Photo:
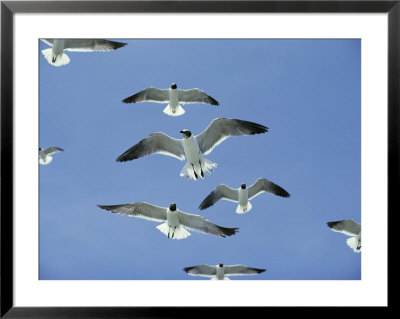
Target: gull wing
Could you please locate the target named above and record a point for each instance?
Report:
(149, 95)
(201, 270)
(51, 149)
(195, 96)
(348, 227)
(221, 192)
(220, 129)
(48, 41)
(155, 143)
(264, 185)
(238, 270)
(139, 209)
(91, 45)
(201, 224)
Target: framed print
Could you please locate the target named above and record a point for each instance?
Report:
(284, 119)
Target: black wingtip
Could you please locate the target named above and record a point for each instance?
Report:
(259, 129)
(204, 204)
(258, 270)
(213, 101)
(116, 44)
(252, 127)
(207, 202)
(187, 269)
(331, 224)
(130, 99)
(108, 208)
(283, 193)
(124, 158)
(227, 231)
(128, 155)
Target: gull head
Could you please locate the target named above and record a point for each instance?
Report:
(243, 186)
(172, 207)
(220, 265)
(186, 133)
(40, 149)
(173, 86)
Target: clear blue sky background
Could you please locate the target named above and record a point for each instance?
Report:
(306, 91)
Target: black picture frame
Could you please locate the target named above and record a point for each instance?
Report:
(9, 8)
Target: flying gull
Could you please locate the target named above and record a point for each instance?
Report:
(222, 272)
(242, 195)
(173, 96)
(56, 56)
(193, 147)
(175, 221)
(45, 154)
(350, 228)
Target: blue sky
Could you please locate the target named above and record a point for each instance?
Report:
(307, 92)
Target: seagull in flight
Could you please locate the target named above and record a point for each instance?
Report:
(222, 272)
(351, 228)
(242, 195)
(56, 56)
(45, 154)
(174, 221)
(193, 147)
(173, 96)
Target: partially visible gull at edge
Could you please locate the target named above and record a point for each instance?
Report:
(56, 56)
(45, 154)
(351, 228)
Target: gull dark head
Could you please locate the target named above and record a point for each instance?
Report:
(243, 186)
(186, 133)
(174, 86)
(172, 207)
(40, 149)
(220, 265)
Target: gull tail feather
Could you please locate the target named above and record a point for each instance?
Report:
(194, 171)
(58, 60)
(241, 209)
(215, 278)
(208, 166)
(354, 243)
(179, 233)
(169, 110)
(46, 160)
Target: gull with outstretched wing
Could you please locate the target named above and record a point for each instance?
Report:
(243, 195)
(174, 221)
(192, 147)
(173, 96)
(222, 272)
(56, 56)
